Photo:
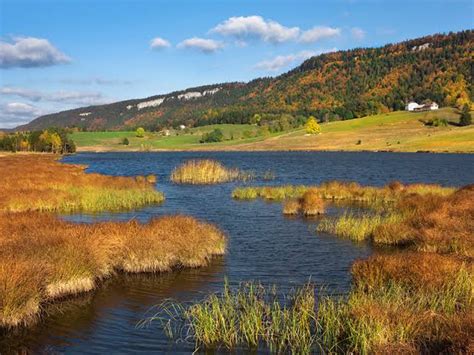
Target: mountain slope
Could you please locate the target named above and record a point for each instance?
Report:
(339, 85)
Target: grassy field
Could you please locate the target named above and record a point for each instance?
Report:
(188, 140)
(397, 131)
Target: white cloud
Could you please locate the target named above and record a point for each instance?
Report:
(28, 52)
(283, 61)
(256, 26)
(201, 44)
(358, 33)
(67, 97)
(318, 33)
(13, 114)
(159, 43)
(19, 108)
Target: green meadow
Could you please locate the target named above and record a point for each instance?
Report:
(399, 131)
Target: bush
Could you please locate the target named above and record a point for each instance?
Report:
(212, 137)
(125, 141)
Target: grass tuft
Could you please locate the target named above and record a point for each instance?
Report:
(206, 171)
(311, 203)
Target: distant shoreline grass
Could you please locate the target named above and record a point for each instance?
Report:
(44, 258)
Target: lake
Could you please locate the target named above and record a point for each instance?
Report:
(263, 244)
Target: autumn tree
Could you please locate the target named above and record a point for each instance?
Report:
(140, 133)
(312, 126)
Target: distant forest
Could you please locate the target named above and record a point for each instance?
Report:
(334, 86)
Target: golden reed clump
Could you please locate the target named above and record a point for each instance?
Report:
(43, 258)
(311, 203)
(291, 207)
(205, 171)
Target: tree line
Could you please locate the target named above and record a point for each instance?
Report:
(51, 140)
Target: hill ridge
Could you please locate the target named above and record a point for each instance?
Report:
(337, 85)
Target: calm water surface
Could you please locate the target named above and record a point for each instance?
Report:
(263, 244)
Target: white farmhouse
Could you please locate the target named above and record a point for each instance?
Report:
(434, 106)
(413, 106)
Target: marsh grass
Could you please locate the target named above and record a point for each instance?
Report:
(403, 302)
(40, 183)
(430, 223)
(430, 312)
(342, 191)
(206, 171)
(44, 258)
(356, 227)
(250, 316)
(311, 203)
(417, 300)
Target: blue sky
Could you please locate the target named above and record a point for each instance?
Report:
(56, 55)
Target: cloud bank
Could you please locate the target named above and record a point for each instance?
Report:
(13, 114)
(68, 97)
(30, 52)
(256, 26)
(242, 27)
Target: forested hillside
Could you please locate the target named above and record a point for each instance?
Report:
(333, 86)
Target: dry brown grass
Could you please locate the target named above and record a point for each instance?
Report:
(311, 203)
(428, 271)
(417, 300)
(205, 171)
(443, 224)
(43, 258)
(37, 182)
(291, 207)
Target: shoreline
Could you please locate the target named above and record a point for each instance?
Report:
(104, 149)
